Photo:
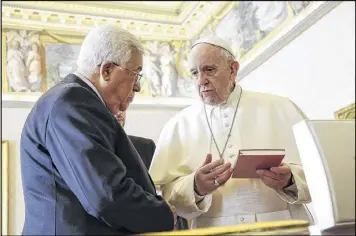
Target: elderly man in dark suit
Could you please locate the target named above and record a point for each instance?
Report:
(80, 172)
(146, 148)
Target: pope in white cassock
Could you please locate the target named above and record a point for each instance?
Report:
(197, 148)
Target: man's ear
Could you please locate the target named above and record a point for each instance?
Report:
(105, 70)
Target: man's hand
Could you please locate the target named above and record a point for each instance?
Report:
(173, 209)
(120, 118)
(277, 177)
(211, 175)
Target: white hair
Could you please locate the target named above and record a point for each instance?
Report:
(106, 43)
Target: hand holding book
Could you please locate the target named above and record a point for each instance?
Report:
(265, 164)
(277, 177)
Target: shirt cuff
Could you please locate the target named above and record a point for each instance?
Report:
(198, 198)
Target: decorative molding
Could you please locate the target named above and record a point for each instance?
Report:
(153, 22)
(77, 18)
(346, 113)
(4, 187)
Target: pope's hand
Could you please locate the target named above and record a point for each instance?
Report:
(277, 177)
(211, 175)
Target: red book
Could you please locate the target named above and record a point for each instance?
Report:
(251, 160)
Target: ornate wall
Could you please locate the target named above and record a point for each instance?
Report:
(35, 61)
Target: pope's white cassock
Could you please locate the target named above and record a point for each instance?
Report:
(262, 121)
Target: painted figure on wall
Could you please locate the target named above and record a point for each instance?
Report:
(16, 70)
(269, 15)
(253, 21)
(33, 62)
(298, 6)
(60, 61)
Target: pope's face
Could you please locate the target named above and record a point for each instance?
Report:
(214, 74)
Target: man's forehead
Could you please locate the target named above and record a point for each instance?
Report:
(135, 62)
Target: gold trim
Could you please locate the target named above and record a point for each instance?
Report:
(87, 9)
(78, 19)
(346, 113)
(138, 6)
(268, 228)
(4, 187)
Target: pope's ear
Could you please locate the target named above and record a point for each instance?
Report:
(234, 68)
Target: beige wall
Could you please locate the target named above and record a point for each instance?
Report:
(316, 70)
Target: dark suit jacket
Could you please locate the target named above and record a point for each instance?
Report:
(146, 148)
(80, 172)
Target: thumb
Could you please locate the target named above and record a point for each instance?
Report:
(208, 159)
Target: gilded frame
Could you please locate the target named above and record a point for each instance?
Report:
(4, 187)
(346, 113)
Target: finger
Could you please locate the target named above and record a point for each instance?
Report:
(270, 182)
(218, 171)
(207, 160)
(207, 168)
(284, 169)
(224, 177)
(264, 173)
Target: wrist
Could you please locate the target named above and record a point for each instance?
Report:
(196, 189)
(290, 182)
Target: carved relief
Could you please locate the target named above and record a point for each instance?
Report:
(23, 61)
(347, 113)
(185, 83)
(16, 70)
(169, 71)
(151, 69)
(160, 68)
(33, 62)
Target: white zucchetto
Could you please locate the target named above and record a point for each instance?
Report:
(216, 41)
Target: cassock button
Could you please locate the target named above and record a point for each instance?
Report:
(226, 125)
(225, 115)
(230, 145)
(232, 156)
(242, 219)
